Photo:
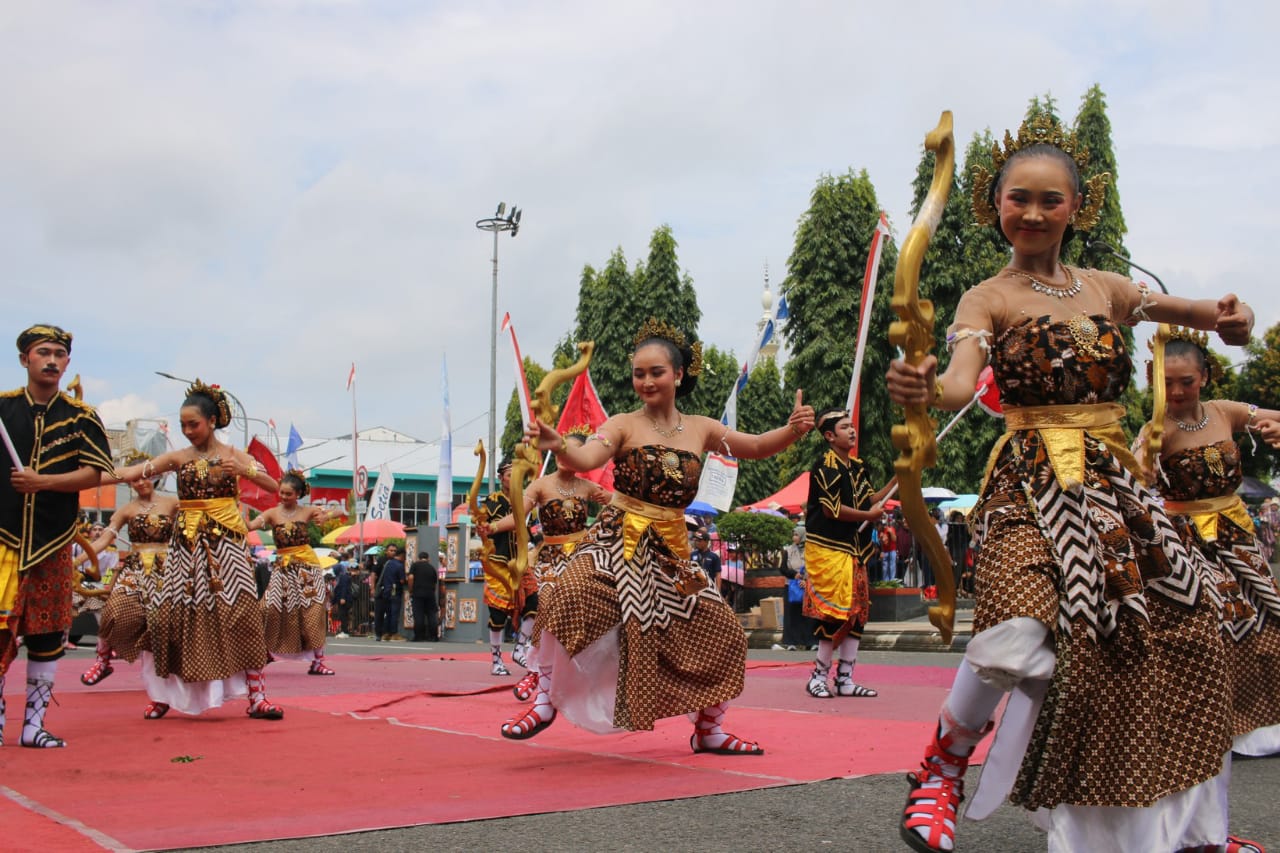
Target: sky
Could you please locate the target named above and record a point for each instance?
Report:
(260, 194)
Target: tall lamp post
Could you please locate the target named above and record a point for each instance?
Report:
(244, 417)
(499, 222)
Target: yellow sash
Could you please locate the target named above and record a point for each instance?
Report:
(1062, 430)
(147, 553)
(1204, 513)
(638, 516)
(225, 511)
(297, 554)
(9, 563)
(567, 541)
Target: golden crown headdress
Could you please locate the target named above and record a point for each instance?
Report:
(582, 431)
(1200, 340)
(219, 398)
(1042, 129)
(655, 328)
(134, 456)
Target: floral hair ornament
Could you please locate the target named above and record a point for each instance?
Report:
(43, 332)
(1042, 129)
(1199, 340)
(219, 398)
(655, 328)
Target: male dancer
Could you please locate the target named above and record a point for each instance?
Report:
(836, 553)
(500, 591)
(57, 447)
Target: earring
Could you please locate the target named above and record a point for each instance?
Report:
(1071, 220)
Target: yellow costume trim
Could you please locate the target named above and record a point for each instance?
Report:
(9, 563)
(1204, 514)
(568, 540)
(639, 516)
(297, 554)
(225, 511)
(1062, 428)
(830, 580)
(147, 553)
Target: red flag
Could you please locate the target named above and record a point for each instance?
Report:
(583, 408)
(989, 394)
(251, 494)
(351, 377)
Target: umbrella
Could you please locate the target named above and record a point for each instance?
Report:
(259, 537)
(324, 552)
(701, 508)
(373, 530)
(764, 510)
(960, 502)
(936, 493)
(331, 538)
(326, 562)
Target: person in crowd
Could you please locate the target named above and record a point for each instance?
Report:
(424, 579)
(1198, 473)
(294, 610)
(957, 539)
(147, 520)
(836, 549)
(561, 500)
(1088, 606)
(906, 568)
(206, 635)
(504, 593)
(342, 596)
(390, 595)
(705, 556)
(632, 631)
(57, 448)
(797, 629)
(888, 548)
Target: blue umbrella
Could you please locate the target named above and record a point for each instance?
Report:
(701, 508)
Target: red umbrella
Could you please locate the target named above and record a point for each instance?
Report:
(373, 530)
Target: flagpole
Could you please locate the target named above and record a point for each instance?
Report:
(355, 466)
(854, 404)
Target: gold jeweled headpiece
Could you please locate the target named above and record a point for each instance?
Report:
(655, 328)
(582, 431)
(1040, 130)
(1200, 340)
(219, 398)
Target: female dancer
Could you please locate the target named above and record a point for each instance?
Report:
(148, 518)
(293, 608)
(1199, 474)
(1087, 606)
(205, 626)
(631, 629)
(561, 500)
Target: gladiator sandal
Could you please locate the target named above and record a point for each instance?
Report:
(498, 667)
(100, 670)
(937, 789)
(39, 693)
(708, 736)
(526, 687)
(845, 685)
(259, 708)
(154, 710)
(520, 654)
(817, 686)
(540, 715)
(318, 666)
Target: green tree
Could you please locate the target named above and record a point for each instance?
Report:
(603, 298)
(662, 290)
(762, 406)
(1259, 383)
(1045, 105)
(823, 289)
(755, 534)
(719, 371)
(1093, 129)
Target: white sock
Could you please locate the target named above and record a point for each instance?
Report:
(824, 654)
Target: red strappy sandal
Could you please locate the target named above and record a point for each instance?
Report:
(264, 710)
(935, 797)
(100, 670)
(707, 728)
(154, 710)
(526, 687)
(529, 724)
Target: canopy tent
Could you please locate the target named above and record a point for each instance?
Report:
(790, 498)
(1253, 489)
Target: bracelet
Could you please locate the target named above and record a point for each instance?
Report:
(148, 470)
(938, 391)
(252, 470)
(795, 429)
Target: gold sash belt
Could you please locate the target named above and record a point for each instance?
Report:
(1204, 513)
(225, 511)
(1062, 430)
(147, 553)
(639, 516)
(566, 539)
(297, 554)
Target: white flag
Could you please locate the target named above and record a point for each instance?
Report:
(380, 503)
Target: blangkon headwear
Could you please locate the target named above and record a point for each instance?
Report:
(43, 332)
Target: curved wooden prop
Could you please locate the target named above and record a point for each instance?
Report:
(76, 390)
(479, 514)
(913, 332)
(1159, 404)
(527, 461)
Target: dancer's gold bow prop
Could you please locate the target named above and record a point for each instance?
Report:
(913, 333)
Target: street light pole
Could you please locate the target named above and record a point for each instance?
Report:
(499, 222)
(244, 415)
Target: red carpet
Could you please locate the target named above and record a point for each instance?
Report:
(428, 724)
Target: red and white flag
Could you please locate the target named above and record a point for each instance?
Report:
(522, 384)
(351, 377)
(864, 321)
(583, 408)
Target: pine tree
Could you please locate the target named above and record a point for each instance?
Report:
(606, 299)
(823, 289)
(1093, 129)
(762, 406)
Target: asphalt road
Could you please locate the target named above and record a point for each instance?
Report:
(840, 814)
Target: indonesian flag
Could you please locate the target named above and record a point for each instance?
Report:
(522, 384)
(864, 323)
(250, 492)
(583, 408)
(351, 377)
(988, 393)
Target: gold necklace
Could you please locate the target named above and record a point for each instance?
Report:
(667, 433)
(1074, 285)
